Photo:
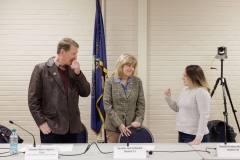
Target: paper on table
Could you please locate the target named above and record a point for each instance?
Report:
(148, 148)
(61, 147)
(24, 148)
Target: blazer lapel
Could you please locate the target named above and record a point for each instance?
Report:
(120, 89)
(129, 88)
(54, 72)
(71, 79)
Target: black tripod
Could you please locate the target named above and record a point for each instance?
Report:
(225, 87)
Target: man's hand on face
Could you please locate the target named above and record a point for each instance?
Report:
(76, 67)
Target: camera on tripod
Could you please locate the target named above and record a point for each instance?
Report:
(222, 53)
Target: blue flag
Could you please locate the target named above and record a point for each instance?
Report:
(99, 73)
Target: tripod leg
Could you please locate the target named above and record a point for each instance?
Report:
(215, 86)
(225, 108)
(233, 110)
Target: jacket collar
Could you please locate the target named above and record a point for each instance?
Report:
(50, 62)
(120, 88)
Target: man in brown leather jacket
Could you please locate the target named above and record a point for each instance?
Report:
(53, 95)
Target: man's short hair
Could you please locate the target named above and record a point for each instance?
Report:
(65, 44)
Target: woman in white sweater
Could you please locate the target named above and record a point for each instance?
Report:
(193, 106)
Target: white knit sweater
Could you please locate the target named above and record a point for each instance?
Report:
(193, 107)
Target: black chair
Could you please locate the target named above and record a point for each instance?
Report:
(217, 132)
(139, 135)
(83, 136)
(5, 134)
(3, 138)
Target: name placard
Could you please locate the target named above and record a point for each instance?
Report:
(130, 152)
(228, 150)
(41, 153)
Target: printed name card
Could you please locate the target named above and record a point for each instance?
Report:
(41, 153)
(130, 152)
(228, 150)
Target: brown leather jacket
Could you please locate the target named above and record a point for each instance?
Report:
(48, 101)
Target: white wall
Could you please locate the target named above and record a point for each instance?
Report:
(29, 34)
(187, 32)
(180, 32)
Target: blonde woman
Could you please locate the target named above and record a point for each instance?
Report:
(123, 99)
(193, 107)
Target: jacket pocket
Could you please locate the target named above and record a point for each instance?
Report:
(51, 114)
(51, 117)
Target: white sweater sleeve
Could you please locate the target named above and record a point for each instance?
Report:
(203, 104)
(172, 104)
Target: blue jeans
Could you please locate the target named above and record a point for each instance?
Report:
(185, 138)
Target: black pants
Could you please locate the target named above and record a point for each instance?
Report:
(58, 138)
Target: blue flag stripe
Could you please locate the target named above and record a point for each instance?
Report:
(99, 73)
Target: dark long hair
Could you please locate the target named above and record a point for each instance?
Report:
(196, 74)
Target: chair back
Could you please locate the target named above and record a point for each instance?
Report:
(83, 136)
(139, 135)
(6, 133)
(2, 139)
(217, 131)
(220, 129)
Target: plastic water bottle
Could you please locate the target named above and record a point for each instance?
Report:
(13, 142)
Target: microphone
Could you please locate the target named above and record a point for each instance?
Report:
(34, 144)
(126, 127)
(3, 136)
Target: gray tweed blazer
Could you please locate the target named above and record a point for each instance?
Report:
(119, 106)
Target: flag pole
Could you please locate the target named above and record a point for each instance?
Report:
(101, 137)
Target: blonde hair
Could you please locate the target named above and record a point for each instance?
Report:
(196, 75)
(121, 61)
(65, 44)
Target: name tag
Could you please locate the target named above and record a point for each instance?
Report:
(41, 153)
(228, 150)
(130, 152)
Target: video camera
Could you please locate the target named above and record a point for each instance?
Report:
(222, 53)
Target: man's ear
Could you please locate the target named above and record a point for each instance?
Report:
(61, 51)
